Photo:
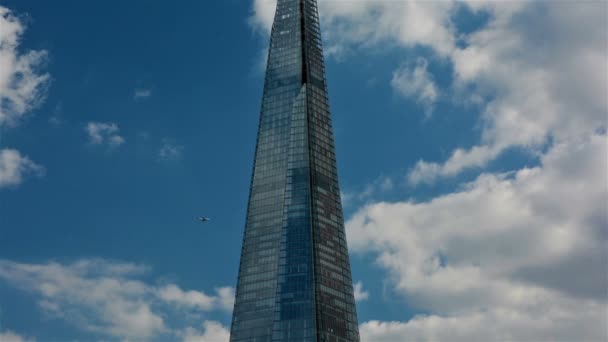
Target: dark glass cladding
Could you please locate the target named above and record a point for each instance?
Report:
(294, 279)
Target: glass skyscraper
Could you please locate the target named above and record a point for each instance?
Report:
(294, 280)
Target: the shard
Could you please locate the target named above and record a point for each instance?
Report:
(294, 281)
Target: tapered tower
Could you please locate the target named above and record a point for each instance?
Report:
(294, 280)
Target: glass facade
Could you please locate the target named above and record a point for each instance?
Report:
(294, 280)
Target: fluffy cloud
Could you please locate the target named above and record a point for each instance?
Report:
(173, 294)
(198, 300)
(510, 257)
(263, 15)
(212, 332)
(225, 298)
(14, 167)
(537, 79)
(537, 69)
(490, 325)
(22, 86)
(104, 133)
(360, 293)
(478, 156)
(515, 256)
(9, 336)
(416, 82)
(350, 23)
(108, 298)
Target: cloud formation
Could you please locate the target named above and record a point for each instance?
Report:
(360, 293)
(416, 82)
(461, 159)
(535, 79)
(22, 88)
(22, 84)
(224, 299)
(515, 256)
(104, 133)
(110, 299)
(14, 168)
(212, 332)
(504, 249)
(9, 336)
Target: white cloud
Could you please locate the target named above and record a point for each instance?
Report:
(351, 23)
(9, 336)
(198, 300)
(263, 15)
(360, 293)
(478, 156)
(518, 256)
(538, 69)
(225, 298)
(22, 85)
(170, 151)
(142, 93)
(509, 257)
(416, 82)
(173, 294)
(104, 133)
(14, 167)
(490, 325)
(107, 297)
(539, 78)
(212, 332)
(22, 88)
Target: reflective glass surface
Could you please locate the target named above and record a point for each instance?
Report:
(294, 280)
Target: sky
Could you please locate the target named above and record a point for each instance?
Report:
(471, 147)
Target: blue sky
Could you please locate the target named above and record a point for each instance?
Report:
(471, 150)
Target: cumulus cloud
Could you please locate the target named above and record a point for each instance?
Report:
(491, 325)
(538, 79)
(212, 332)
(225, 298)
(263, 15)
(14, 168)
(350, 23)
(416, 82)
(109, 298)
(9, 336)
(509, 257)
(22, 88)
(173, 294)
(428, 172)
(537, 69)
(104, 133)
(360, 293)
(194, 299)
(515, 256)
(22, 84)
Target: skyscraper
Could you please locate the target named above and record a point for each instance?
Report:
(294, 279)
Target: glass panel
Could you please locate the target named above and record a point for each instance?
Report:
(294, 280)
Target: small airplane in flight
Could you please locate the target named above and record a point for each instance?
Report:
(204, 219)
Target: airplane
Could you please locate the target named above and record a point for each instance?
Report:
(204, 219)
